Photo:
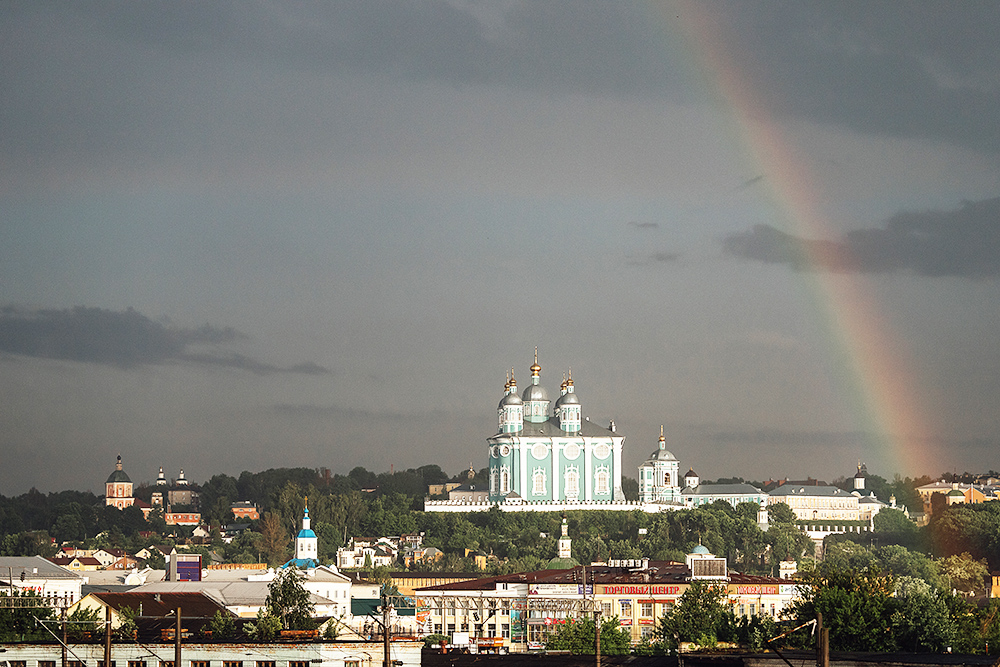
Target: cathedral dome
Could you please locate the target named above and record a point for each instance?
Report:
(568, 399)
(118, 476)
(534, 392)
(662, 455)
(510, 399)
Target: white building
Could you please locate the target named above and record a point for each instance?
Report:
(37, 574)
(659, 480)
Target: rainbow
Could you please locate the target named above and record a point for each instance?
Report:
(878, 385)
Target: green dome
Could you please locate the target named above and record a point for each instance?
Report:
(118, 476)
(562, 564)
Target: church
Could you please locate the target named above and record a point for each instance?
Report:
(547, 456)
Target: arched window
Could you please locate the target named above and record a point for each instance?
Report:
(504, 479)
(601, 480)
(572, 483)
(493, 481)
(538, 482)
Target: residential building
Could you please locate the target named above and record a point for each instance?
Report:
(244, 509)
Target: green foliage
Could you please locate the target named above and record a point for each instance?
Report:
(701, 615)
(127, 628)
(579, 637)
(288, 601)
(855, 603)
(23, 624)
(83, 621)
(920, 620)
(265, 628)
(332, 630)
(964, 573)
(433, 641)
(222, 625)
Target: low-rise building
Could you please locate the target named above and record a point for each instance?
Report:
(37, 574)
(522, 608)
(244, 509)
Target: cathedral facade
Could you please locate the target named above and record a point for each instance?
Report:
(545, 453)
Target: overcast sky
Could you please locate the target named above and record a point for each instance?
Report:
(243, 235)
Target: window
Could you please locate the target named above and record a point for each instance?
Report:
(349, 662)
(647, 631)
(437, 628)
(626, 606)
(606, 608)
(232, 663)
(572, 483)
(47, 663)
(538, 482)
(74, 663)
(753, 610)
(646, 609)
(131, 663)
(100, 663)
(166, 663)
(298, 663)
(201, 663)
(601, 480)
(265, 663)
(504, 479)
(493, 481)
(505, 630)
(451, 628)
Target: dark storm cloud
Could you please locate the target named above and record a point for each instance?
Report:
(962, 243)
(142, 82)
(125, 339)
(927, 70)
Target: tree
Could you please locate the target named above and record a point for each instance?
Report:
(18, 624)
(700, 616)
(965, 573)
(274, 540)
(265, 628)
(222, 625)
(288, 600)
(921, 622)
(781, 513)
(856, 607)
(578, 636)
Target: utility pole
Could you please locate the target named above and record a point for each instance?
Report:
(64, 637)
(177, 641)
(822, 643)
(386, 657)
(107, 636)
